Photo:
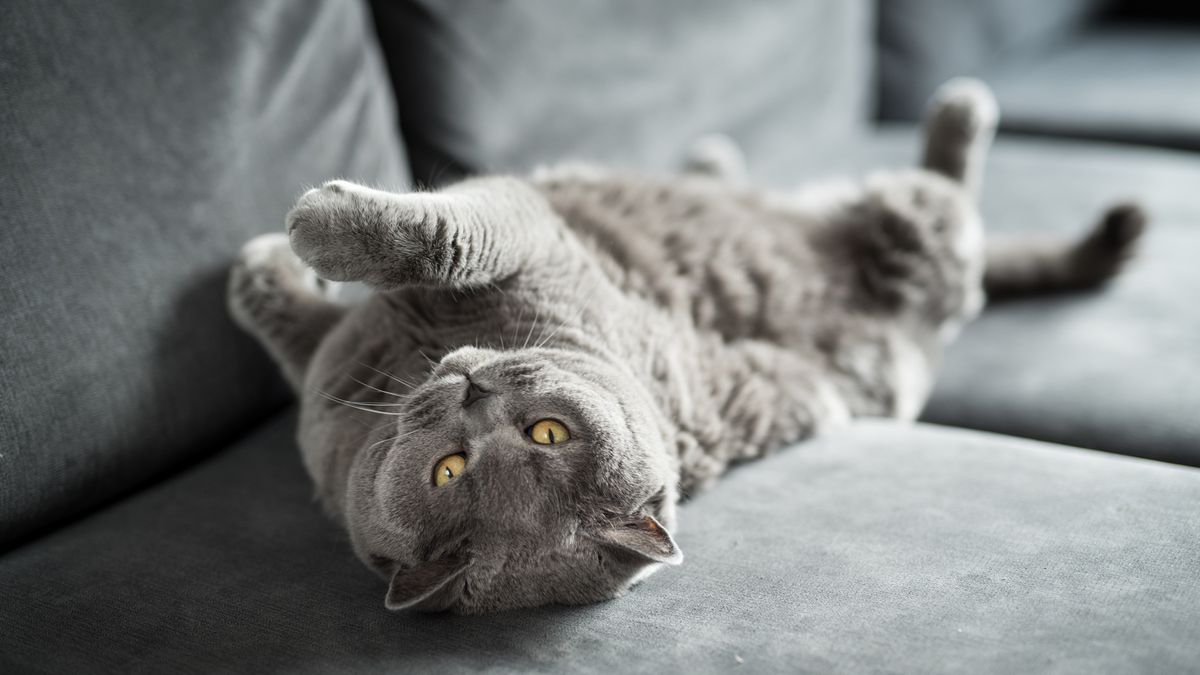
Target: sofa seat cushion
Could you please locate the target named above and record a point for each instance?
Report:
(1116, 369)
(882, 547)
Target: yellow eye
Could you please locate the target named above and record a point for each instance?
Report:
(448, 468)
(548, 432)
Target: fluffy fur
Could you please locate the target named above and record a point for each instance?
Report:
(674, 325)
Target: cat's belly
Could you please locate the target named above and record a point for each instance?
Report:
(749, 266)
(748, 271)
(700, 248)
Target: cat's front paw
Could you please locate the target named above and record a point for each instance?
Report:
(340, 229)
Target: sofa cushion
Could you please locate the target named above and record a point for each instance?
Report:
(506, 86)
(923, 43)
(1133, 83)
(1116, 369)
(882, 547)
(141, 144)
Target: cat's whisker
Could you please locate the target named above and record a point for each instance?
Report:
(356, 405)
(373, 404)
(376, 429)
(562, 325)
(382, 391)
(517, 326)
(533, 325)
(541, 334)
(402, 381)
(392, 439)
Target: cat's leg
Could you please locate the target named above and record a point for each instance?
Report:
(959, 127)
(766, 396)
(1022, 265)
(751, 399)
(275, 298)
(473, 233)
(716, 155)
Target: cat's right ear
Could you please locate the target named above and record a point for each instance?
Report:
(642, 535)
(412, 585)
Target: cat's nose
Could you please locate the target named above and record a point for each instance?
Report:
(474, 393)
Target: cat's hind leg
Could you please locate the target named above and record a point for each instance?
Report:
(959, 128)
(717, 156)
(275, 298)
(1024, 265)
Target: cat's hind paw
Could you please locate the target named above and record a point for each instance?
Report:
(718, 156)
(264, 278)
(1109, 245)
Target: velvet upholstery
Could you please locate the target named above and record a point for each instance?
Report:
(142, 144)
(881, 548)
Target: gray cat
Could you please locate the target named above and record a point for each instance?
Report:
(547, 365)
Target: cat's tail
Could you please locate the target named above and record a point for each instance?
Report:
(1025, 265)
(959, 127)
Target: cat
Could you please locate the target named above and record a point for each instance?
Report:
(547, 365)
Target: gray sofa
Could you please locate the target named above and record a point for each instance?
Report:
(154, 516)
(1112, 70)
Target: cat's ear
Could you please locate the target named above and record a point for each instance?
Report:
(411, 585)
(643, 535)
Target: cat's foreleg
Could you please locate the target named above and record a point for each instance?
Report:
(275, 298)
(471, 234)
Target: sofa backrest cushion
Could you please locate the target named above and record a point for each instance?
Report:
(141, 144)
(487, 86)
(922, 43)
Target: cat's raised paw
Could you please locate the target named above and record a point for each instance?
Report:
(339, 228)
(319, 206)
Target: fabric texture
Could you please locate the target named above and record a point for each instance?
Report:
(142, 144)
(922, 43)
(1114, 369)
(882, 548)
(487, 87)
(1131, 83)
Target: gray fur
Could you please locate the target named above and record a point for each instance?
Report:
(676, 326)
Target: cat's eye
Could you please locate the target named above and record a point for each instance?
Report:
(448, 468)
(548, 432)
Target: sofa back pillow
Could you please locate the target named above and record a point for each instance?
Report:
(923, 43)
(141, 144)
(485, 86)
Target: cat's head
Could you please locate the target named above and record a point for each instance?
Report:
(516, 478)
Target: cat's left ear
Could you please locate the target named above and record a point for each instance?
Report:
(412, 585)
(643, 535)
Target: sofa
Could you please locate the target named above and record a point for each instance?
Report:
(1044, 516)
